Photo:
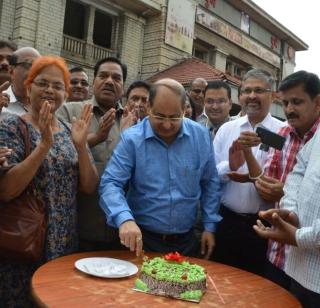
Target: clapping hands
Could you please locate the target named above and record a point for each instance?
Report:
(80, 127)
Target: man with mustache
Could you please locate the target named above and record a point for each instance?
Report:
(137, 99)
(196, 92)
(104, 132)
(21, 62)
(79, 85)
(217, 105)
(300, 97)
(237, 243)
(6, 51)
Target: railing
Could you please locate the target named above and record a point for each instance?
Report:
(81, 48)
(100, 52)
(73, 45)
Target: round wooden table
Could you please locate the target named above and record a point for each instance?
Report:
(59, 284)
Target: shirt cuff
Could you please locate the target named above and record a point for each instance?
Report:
(122, 217)
(210, 227)
(305, 238)
(223, 169)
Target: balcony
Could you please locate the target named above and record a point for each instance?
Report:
(76, 49)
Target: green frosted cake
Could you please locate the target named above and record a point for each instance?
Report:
(172, 276)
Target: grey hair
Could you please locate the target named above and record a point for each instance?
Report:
(260, 74)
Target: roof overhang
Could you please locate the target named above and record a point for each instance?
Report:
(268, 22)
(140, 7)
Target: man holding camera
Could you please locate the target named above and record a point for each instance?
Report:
(300, 97)
(236, 242)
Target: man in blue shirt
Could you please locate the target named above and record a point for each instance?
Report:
(169, 164)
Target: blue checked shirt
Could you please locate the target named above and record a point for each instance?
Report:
(166, 182)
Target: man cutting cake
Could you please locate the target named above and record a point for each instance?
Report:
(167, 164)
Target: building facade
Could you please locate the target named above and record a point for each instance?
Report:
(152, 35)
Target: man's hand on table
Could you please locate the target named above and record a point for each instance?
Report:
(208, 243)
(130, 236)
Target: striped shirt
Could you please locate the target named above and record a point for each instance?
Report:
(302, 197)
(278, 166)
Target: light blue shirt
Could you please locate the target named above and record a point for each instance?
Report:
(302, 197)
(166, 182)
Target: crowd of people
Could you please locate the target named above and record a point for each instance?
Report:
(168, 170)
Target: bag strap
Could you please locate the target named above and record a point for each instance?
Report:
(27, 144)
(26, 138)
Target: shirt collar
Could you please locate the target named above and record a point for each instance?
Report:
(119, 107)
(9, 91)
(309, 133)
(244, 120)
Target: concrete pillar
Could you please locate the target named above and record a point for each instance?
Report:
(89, 32)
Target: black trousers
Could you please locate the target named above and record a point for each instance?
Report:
(186, 244)
(237, 244)
(307, 298)
(277, 275)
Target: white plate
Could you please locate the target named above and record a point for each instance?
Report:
(106, 267)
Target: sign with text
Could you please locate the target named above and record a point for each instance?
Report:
(180, 24)
(218, 26)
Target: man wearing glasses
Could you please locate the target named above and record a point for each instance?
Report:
(237, 243)
(79, 85)
(197, 90)
(168, 164)
(217, 105)
(21, 62)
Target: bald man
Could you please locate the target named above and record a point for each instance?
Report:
(196, 92)
(168, 163)
(20, 62)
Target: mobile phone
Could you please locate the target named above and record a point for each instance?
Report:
(270, 139)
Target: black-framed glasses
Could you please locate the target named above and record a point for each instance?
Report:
(75, 82)
(44, 85)
(25, 65)
(212, 101)
(258, 91)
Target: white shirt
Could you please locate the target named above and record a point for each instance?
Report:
(302, 197)
(240, 197)
(14, 107)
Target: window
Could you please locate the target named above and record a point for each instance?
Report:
(200, 54)
(229, 68)
(74, 19)
(102, 31)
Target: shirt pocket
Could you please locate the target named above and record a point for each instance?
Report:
(188, 179)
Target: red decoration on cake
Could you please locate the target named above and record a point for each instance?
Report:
(174, 256)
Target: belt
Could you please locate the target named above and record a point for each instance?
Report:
(166, 237)
(224, 211)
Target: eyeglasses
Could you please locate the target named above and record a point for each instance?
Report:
(219, 101)
(163, 119)
(258, 91)
(198, 91)
(44, 85)
(25, 65)
(136, 98)
(83, 83)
